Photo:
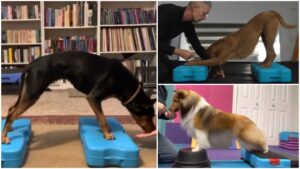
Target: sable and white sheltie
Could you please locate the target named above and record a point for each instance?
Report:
(212, 127)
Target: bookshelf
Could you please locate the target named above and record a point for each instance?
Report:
(127, 13)
(21, 38)
(59, 21)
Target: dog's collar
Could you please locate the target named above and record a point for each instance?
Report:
(133, 96)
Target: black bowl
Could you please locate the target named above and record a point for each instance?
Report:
(188, 159)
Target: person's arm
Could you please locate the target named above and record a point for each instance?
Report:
(191, 35)
(165, 47)
(163, 26)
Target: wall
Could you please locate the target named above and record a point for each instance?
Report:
(241, 12)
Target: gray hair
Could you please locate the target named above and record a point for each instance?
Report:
(208, 3)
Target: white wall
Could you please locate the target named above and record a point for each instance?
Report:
(242, 12)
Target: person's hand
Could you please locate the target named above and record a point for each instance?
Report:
(143, 135)
(161, 107)
(183, 53)
(171, 115)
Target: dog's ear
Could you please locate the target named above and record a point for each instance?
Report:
(181, 94)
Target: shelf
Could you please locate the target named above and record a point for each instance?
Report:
(128, 25)
(14, 64)
(88, 52)
(20, 20)
(76, 27)
(20, 44)
(118, 52)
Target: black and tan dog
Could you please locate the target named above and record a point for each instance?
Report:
(97, 77)
(241, 44)
(214, 128)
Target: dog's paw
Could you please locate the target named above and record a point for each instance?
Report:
(5, 140)
(10, 129)
(219, 75)
(109, 136)
(266, 149)
(196, 149)
(265, 65)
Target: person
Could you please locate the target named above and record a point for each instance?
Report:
(167, 151)
(172, 21)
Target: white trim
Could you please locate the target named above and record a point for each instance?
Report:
(234, 98)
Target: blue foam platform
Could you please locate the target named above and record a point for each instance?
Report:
(275, 73)
(88, 124)
(285, 135)
(258, 162)
(21, 126)
(13, 154)
(99, 152)
(229, 164)
(11, 77)
(190, 73)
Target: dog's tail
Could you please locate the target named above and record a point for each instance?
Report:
(282, 22)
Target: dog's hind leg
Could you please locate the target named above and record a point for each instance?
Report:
(32, 87)
(254, 139)
(24, 103)
(268, 37)
(94, 98)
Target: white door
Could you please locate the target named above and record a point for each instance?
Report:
(268, 106)
(249, 102)
(278, 111)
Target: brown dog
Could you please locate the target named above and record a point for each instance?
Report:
(241, 44)
(214, 128)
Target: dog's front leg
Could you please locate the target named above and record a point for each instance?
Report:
(196, 148)
(216, 61)
(219, 72)
(202, 140)
(96, 106)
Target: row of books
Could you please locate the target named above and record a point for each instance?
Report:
(20, 12)
(132, 65)
(78, 14)
(128, 16)
(20, 55)
(128, 39)
(73, 43)
(21, 36)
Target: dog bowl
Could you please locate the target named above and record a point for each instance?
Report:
(188, 159)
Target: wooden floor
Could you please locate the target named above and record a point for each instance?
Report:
(56, 141)
(59, 146)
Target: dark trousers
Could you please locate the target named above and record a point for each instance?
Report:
(167, 151)
(165, 68)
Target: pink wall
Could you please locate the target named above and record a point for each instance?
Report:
(220, 96)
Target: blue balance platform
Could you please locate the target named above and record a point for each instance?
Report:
(13, 154)
(275, 73)
(265, 162)
(99, 152)
(190, 73)
(286, 135)
(11, 77)
(229, 164)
